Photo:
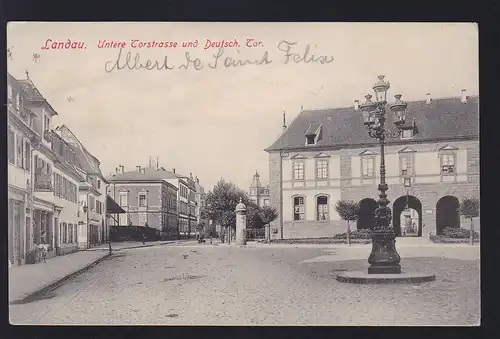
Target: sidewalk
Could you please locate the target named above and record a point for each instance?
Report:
(26, 280)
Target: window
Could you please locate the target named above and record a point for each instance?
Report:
(18, 101)
(143, 218)
(74, 233)
(142, 200)
(447, 163)
(406, 164)
(12, 146)
(27, 156)
(92, 203)
(98, 184)
(322, 208)
(70, 233)
(9, 92)
(65, 233)
(266, 202)
(123, 219)
(367, 167)
(310, 139)
(298, 208)
(20, 150)
(298, 170)
(407, 134)
(322, 169)
(123, 199)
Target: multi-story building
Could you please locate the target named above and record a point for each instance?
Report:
(49, 214)
(147, 198)
(92, 224)
(258, 192)
(326, 155)
(20, 140)
(188, 216)
(66, 180)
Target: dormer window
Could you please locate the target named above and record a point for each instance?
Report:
(313, 134)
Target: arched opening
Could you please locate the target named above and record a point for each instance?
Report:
(447, 214)
(407, 216)
(366, 215)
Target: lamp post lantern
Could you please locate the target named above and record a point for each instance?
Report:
(383, 259)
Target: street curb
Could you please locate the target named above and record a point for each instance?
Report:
(128, 248)
(53, 285)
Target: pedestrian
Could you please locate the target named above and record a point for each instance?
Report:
(144, 239)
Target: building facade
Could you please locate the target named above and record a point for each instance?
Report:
(21, 137)
(92, 224)
(43, 182)
(258, 192)
(147, 198)
(326, 155)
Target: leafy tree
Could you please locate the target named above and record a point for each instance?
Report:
(221, 203)
(469, 209)
(348, 210)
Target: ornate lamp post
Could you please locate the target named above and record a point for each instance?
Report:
(383, 258)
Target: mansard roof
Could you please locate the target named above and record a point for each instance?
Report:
(441, 119)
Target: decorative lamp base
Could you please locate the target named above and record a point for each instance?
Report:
(384, 259)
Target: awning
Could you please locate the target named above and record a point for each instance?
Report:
(112, 207)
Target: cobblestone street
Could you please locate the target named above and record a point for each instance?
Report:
(205, 284)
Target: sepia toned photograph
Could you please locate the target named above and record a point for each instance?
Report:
(220, 173)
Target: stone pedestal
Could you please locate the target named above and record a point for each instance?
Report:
(241, 223)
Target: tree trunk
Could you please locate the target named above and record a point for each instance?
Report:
(471, 232)
(348, 234)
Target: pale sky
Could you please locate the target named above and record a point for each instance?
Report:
(216, 122)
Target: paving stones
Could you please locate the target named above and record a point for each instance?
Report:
(228, 285)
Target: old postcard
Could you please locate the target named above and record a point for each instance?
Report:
(243, 173)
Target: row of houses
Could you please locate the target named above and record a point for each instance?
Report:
(166, 201)
(326, 155)
(56, 191)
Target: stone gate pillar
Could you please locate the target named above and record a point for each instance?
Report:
(241, 223)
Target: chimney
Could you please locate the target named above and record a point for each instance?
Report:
(117, 170)
(138, 169)
(191, 175)
(284, 121)
(122, 169)
(143, 170)
(356, 105)
(173, 170)
(464, 97)
(428, 100)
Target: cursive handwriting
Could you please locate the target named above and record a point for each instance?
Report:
(136, 63)
(292, 55)
(232, 62)
(307, 57)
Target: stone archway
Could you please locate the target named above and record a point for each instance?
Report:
(399, 206)
(447, 214)
(367, 208)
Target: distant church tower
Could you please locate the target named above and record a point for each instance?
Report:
(259, 193)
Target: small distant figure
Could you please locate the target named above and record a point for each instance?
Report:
(36, 57)
(9, 53)
(144, 239)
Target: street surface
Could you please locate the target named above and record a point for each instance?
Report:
(206, 284)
